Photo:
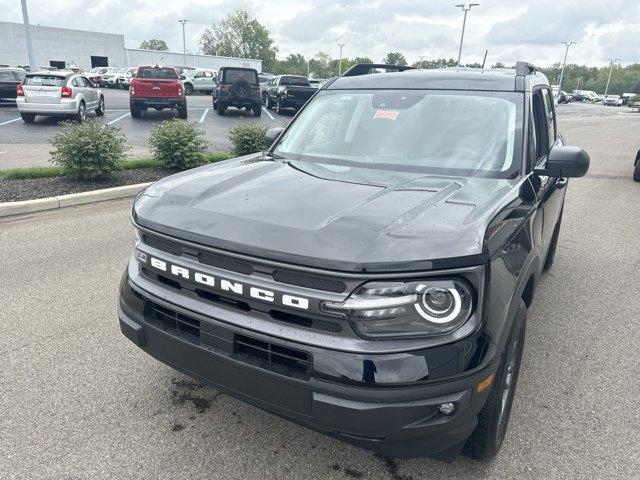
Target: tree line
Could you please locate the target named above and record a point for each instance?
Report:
(241, 35)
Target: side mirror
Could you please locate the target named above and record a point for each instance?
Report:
(272, 134)
(566, 161)
(183, 77)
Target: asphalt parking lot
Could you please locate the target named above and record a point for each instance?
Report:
(79, 401)
(23, 145)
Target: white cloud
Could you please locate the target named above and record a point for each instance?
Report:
(518, 29)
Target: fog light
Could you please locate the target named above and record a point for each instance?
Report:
(141, 256)
(447, 409)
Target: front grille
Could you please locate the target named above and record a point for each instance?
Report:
(258, 353)
(162, 244)
(309, 281)
(316, 282)
(275, 358)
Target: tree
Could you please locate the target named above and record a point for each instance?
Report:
(438, 63)
(394, 58)
(154, 44)
(295, 64)
(319, 65)
(240, 35)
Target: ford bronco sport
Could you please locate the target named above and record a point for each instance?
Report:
(368, 275)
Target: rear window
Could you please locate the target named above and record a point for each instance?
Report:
(159, 73)
(293, 80)
(45, 80)
(6, 75)
(232, 76)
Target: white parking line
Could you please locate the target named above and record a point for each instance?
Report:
(204, 114)
(267, 112)
(10, 121)
(119, 118)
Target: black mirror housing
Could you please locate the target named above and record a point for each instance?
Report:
(272, 134)
(565, 161)
(183, 77)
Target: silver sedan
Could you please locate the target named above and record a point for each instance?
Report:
(58, 93)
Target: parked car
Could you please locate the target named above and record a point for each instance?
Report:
(9, 80)
(200, 80)
(586, 96)
(58, 93)
(157, 87)
(289, 91)
(124, 79)
(264, 79)
(103, 79)
(368, 275)
(237, 87)
(564, 97)
(111, 78)
(612, 101)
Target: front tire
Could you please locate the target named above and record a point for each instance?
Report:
(221, 108)
(100, 109)
(551, 254)
(188, 89)
(493, 419)
(279, 107)
(257, 110)
(28, 117)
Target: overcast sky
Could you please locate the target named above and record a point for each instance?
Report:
(529, 30)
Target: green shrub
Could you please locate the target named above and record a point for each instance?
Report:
(248, 138)
(178, 144)
(88, 150)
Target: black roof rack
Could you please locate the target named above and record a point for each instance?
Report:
(365, 69)
(524, 68)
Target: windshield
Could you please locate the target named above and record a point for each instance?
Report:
(232, 76)
(440, 132)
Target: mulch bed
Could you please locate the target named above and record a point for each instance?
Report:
(32, 188)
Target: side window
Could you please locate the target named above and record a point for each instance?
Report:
(198, 75)
(86, 82)
(208, 74)
(76, 82)
(541, 126)
(551, 115)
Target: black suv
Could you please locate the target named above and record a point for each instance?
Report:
(10, 78)
(237, 87)
(369, 275)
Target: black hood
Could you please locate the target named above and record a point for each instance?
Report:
(327, 216)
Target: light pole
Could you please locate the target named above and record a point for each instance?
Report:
(564, 62)
(27, 34)
(612, 60)
(183, 21)
(341, 45)
(465, 8)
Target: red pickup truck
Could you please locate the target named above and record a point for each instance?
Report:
(157, 87)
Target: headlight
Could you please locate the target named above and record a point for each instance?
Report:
(394, 309)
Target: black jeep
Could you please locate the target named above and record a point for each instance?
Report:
(368, 275)
(237, 87)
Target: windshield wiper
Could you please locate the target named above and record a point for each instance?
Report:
(275, 156)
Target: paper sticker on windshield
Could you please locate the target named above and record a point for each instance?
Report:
(386, 114)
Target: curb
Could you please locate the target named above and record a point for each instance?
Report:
(9, 209)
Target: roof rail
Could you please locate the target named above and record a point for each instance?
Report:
(524, 68)
(365, 69)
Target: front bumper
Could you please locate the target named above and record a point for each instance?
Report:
(65, 107)
(396, 421)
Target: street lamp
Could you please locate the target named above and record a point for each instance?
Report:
(27, 34)
(184, 42)
(341, 45)
(612, 60)
(465, 8)
(564, 62)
